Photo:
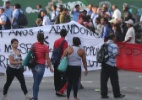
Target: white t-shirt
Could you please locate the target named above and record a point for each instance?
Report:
(46, 21)
(116, 14)
(141, 19)
(130, 33)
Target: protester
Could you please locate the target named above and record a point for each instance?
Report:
(46, 20)
(54, 13)
(39, 8)
(127, 13)
(109, 70)
(105, 30)
(94, 15)
(99, 27)
(60, 78)
(8, 10)
(15, 69)
(75, 12)
(42, 56)
(75, 55)
(3, 19)
(64, 16)
(116, 13)
(89, 12)
(130, 35)
(15, 14)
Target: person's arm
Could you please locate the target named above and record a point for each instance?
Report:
(84, 62)
(128, 40)
(49, 62)
(12, 61)
(3, 20)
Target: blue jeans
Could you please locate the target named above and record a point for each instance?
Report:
(38, 72)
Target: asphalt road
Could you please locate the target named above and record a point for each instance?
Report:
(130, 83)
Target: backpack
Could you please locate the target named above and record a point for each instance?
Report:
(8, 23)
(102, 54)
(56, 55)
(22, 19)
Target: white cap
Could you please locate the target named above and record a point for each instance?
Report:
(130, 21)
(113, 21)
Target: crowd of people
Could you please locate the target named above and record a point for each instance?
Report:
(107, 24)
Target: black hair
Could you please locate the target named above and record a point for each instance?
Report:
(40, 6)
(2, 9)
(98, 19)
(76, 41)
(111, 36)
(85, 11)
(76, 6)
(55, 7)
(43, 11)
(63, 33)
(13, 40)
(7, 2)
(40, 37)
(18, 6)
(105, 19)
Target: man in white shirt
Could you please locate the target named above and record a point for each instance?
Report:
(130, 35)
(116, 13)
(54, 13)
(2, 19)
(46, 20)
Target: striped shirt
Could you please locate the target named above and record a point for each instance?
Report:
(40, 52)
(112, 51)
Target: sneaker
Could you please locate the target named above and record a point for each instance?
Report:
(5, 97)
(28, 97)
(60, 94)
(105, 97)
(121, 96)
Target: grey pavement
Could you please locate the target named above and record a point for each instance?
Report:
(130, 83)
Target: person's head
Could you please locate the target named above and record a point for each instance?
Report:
(125, 7)
(97, 21)
(38, 22)
(82, 19)
(129, 23)
(112, 37)
(77, 7)
(114, 7)
(104, 9)
(94, 9)
(17, 6)
(39, 6)
(40, 37)
(1, 10)
(76, 41)
(90, 6)
(84, 12)
(107, 15)
(66, 11)
(105, 5)
(60, 8)
(54, 7)
(115, 27)
(104, 20)
(43, 13)
(63, 33)
(14, 43)
(7, 4)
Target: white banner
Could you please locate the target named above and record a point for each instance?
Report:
(28, 36)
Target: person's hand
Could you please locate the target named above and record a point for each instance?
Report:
(86, 72)
(51, 69)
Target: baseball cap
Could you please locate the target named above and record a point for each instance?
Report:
(130, 21)
(113, 21)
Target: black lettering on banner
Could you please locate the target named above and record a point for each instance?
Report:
(21, 32)
(75, 29)
(91, 63)
(53, 30)
(83, 30)
(1, 34)
(7, 48)
(69, 28)
(2, 60)
(91, 51)
(25, 48)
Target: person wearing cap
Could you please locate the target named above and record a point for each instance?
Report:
(75, 12)
(116, 13)
(130, 34)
